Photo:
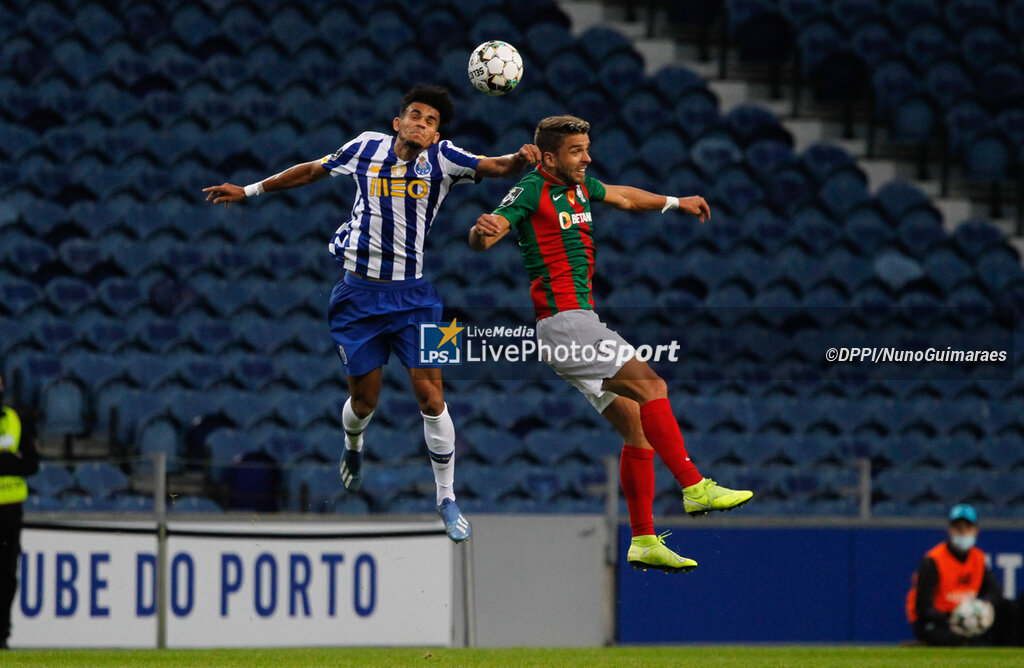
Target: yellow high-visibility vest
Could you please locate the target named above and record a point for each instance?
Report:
(13, 488)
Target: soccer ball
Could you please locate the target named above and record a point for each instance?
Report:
(972, 617)
(495, 68)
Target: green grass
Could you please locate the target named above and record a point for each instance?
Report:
(703, 656)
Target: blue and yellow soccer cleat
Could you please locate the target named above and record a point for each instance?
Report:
(455, 523)
(650, 552)
(352, 469)
(707, 495)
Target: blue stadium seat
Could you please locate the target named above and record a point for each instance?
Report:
(674, 81)
(962, 15)
(65, 406)
(646, 113)
(712, 154)
(987, 157)
(737, 190)
(133, 503)
(120, 296)
(696, 113)
(974, 237)
(927, 44)
(788, 189)
(920, 230)
(604, 43)
(815, 228)
(874, 42)
(101, 479)
(822, 159)
(998, 268)
(852, 13)
(947, 268)
(495, 25)
(892, 80)
(963, 121)
(843, 190)
(52, 334)
(193, 504)
(160, 434)
(51, 480)
(20, 296)
(897, 270)
(97, 24)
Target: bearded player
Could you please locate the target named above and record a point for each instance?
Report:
(550, 211)
(376, 308)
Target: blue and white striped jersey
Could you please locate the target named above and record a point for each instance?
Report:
(396, 202)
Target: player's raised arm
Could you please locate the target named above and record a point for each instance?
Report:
(488, 230)
(627, 198)
(293, 177)
(511, 164)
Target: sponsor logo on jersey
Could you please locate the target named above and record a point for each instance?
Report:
(511, 196)
(342, 355)
(567, 220)
(415, 188)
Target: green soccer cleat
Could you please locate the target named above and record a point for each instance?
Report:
(650, 552)
(707, 495)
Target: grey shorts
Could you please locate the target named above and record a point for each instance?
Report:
(584, 351)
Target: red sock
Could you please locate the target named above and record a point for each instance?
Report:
(636, 473)
(662, 432)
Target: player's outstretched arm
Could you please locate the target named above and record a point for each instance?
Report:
(293, 177)
(488, 230)
(511, 164)
(627, 198)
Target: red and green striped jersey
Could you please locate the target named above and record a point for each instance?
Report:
(556, 239)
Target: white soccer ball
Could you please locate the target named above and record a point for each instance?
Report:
(972, 617)
(495, 68)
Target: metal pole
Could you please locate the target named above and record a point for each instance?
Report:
(160, 510)
(864, 465)
(469, 593)
(611, 514)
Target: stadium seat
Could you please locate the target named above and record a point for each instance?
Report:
(920, 230)
(987, 157)
(696, 113)
(897, 270)
(193, 504)
(65, 407)
(101, 479)
(712, 154)
(998, 268)
(974, 237)
(892, 80)
(159, 434)
(51, 480)
(874, 42)
(737, 190)
(962, 15)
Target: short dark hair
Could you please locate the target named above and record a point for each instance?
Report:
(553, 130)
(435, 96)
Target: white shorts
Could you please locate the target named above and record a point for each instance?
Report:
(571, 343)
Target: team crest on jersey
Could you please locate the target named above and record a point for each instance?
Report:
(422, 165)
(511, 196)
(579, 195)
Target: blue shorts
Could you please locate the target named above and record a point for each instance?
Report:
(369, 319)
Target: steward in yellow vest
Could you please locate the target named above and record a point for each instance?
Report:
(18, 460)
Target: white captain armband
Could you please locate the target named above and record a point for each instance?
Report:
(254, 189)
(670, 203)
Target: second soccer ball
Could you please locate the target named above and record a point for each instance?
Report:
(495, 67)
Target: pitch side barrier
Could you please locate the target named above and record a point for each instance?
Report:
(227, 582)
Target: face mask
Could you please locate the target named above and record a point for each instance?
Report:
(963, 542)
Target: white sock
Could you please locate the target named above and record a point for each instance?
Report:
(354, 426)
(439, 432)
